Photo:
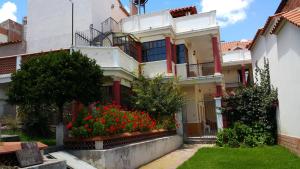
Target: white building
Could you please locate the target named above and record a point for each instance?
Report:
(279, 42)
(175, 43)
(50, 22)
(236, 63)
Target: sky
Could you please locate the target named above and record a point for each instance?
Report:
(238, 19)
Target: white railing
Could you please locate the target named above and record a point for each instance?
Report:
(152, 69)
(111, 57)
(195, 22)
(238, 55)
(138, 23)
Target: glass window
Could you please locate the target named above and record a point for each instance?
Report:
(181, 53)
(154, 51)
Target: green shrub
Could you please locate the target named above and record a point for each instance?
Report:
(242, 135)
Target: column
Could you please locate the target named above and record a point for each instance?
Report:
(218, 103)
(117, 92)
(244, 75)
(18, 62)
(139, 56)
(216, 53)
(169, 54)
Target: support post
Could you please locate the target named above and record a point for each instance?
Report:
(18, 62)
(117, 92)
(218, 102)
(169, 55)
(244, 75)
(217, 57)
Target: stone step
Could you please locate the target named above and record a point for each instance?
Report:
(72, 161)
(201, 140)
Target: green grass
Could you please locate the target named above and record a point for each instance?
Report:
(24, 137)
(275, 157)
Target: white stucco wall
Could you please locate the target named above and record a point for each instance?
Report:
(152, 69)
(50, 23)
(288, 76)
(3, 38)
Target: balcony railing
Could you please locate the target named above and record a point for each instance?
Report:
(200, 69)
(159, 20)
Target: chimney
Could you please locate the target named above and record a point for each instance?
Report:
(133, 8)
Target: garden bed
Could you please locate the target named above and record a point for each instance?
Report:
(106, 142)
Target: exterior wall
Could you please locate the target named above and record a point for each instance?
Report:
(57, 34)
(291, 143)
(288, 90)
(13, 49)
(14, 30)
(130, 156)
(231, 74)
(117, 11)
(3, 38)
(258, 54)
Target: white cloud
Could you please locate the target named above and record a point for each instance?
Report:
(228, 11)
(8, 11)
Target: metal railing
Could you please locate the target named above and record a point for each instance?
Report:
(110, 25)
(200, 69)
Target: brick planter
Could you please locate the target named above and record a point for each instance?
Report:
(106, 142)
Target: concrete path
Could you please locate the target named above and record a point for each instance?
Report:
(175, 158)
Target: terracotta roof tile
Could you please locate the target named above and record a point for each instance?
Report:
(178, 12)
(292, 16)
(229, 46)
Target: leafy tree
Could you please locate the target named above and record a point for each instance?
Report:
(255, 105)
(158, 96)
(55, 79)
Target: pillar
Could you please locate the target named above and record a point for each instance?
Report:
(18, 62)
(218, 103)
(117, 92)
(139, 56)
(175, 58)
(169, 54)
(244, 81)
(216, 53)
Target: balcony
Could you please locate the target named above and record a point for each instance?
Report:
(200, 69)
(112, 60)
(162, 20)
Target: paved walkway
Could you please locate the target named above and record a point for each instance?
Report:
(175, 158)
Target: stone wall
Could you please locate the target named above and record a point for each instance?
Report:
(291, 143)
(130, 156)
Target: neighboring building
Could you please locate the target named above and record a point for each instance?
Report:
(174, 43)
(11, 43)
(50, 22)
(237, 65)
(279, 42)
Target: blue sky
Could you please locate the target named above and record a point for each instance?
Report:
(240, 19)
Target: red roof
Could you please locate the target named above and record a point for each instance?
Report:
(179, 12)
(292, 16)
(230, 46)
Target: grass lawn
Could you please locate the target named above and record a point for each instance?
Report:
(275, 157)
(24, 137)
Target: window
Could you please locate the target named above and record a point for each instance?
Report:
(154, 51)
(181, 54)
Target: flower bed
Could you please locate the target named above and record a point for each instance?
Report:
(109, 126)
(109, 120)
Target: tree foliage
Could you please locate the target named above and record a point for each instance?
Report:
(55, 79)
(158, 96)
(254, 106)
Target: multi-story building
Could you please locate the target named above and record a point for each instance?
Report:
(278, 42)
(236, 63)
(178, 43)
(11, 43)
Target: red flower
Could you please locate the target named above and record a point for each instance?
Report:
(86, 126)
(102, 120)
(70, 126)
(88, 118)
